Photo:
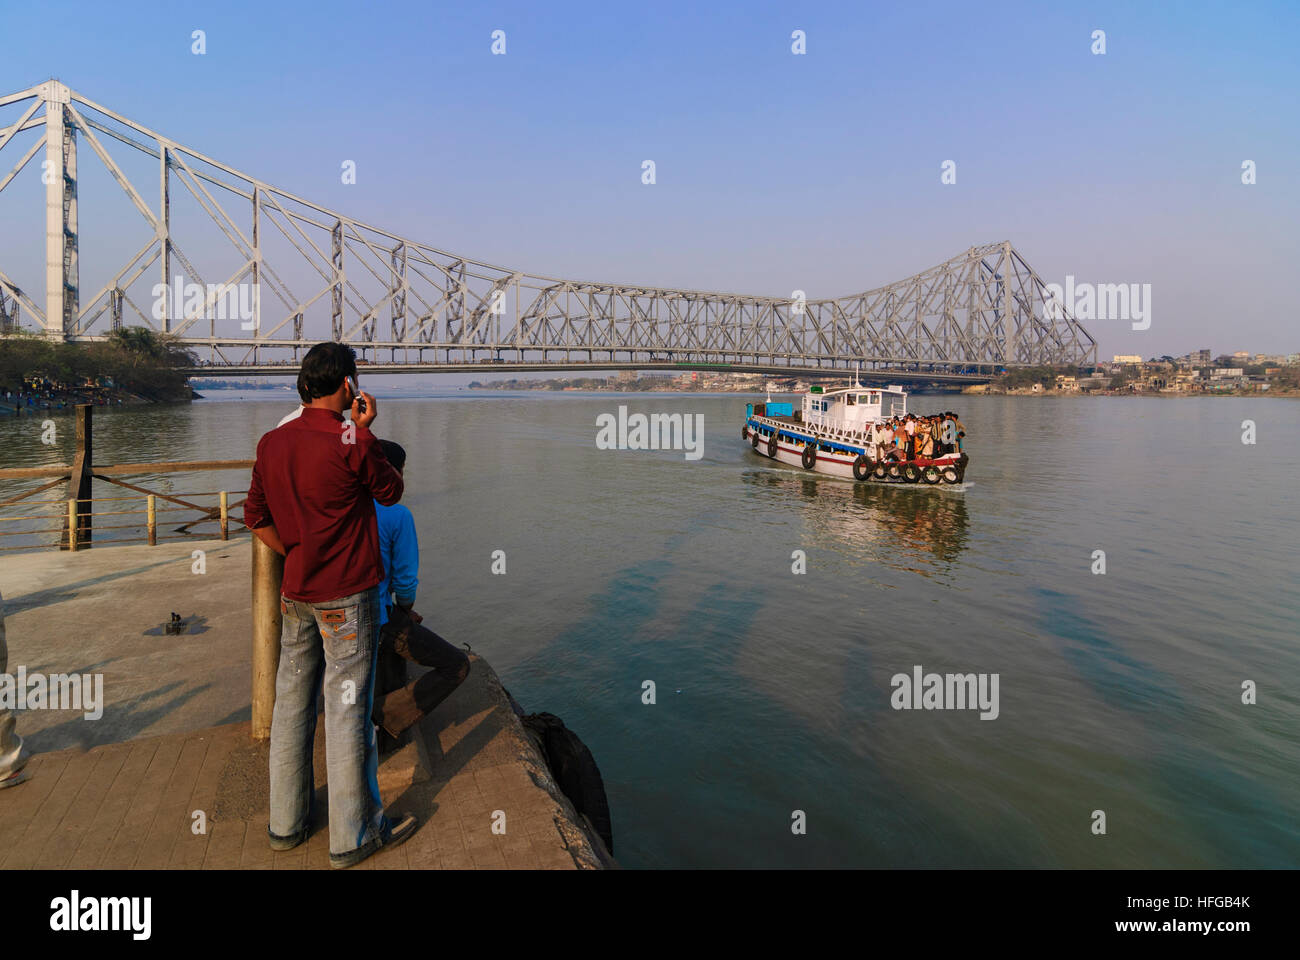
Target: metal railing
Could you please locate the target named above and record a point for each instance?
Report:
(77, 514)
(150, 517)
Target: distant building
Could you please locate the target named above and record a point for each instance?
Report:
(1223, 372)
(1126, 358)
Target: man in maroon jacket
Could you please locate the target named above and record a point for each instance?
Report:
(311, 499)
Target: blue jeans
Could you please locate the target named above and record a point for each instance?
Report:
(339, 640)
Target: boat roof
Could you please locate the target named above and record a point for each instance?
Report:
(859, 388)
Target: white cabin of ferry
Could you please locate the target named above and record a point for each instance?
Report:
(853, 408)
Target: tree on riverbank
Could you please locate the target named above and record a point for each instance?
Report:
(135, 360)
(1024, 377)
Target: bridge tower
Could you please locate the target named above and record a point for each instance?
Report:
(59, 174)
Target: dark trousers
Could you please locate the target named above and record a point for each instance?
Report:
(399, 705)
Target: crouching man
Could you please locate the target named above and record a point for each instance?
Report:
(398, 704)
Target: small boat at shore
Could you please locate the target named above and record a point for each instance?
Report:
(832, 434)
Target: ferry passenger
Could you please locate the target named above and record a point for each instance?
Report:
(898, 440)
(878, 436)
(961, 430)
(923, 442)
(884, 439)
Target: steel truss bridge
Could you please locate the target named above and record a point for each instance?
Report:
(275, 273)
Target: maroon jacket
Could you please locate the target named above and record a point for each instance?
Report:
(319, 492)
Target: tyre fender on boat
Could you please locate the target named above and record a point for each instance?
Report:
(753, 440)
(744, 432)
(809, 456)
(911, 472)
(771, 446)
(862, 467)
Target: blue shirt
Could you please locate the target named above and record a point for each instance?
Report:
(400, 550)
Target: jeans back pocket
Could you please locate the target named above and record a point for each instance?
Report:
(338, 630)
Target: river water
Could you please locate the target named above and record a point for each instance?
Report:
(1119, 692)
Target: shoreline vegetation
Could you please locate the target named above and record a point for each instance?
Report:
(134, 365)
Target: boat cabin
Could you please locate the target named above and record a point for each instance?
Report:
(853, 408)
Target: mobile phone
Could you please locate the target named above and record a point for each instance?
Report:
(361, 402)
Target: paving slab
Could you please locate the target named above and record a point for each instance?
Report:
(169, 776)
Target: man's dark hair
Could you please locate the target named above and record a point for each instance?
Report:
(394, 452)
(324, 369)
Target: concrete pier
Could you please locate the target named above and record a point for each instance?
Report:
(173, 749)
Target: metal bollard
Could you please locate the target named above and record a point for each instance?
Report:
(153, 521)
(72, 524)
(268, 569)
(225, 517)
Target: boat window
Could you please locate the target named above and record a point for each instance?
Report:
(848, 399)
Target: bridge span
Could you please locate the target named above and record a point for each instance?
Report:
(245, 273)
(491, 370)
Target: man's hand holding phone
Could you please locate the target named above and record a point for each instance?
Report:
(364, 406)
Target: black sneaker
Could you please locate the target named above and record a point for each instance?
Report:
(397, 832)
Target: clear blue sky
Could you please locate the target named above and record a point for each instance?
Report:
(775, 172)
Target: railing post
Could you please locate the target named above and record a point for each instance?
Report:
(268, 569)
(153, 521)
(225, 517)
(72, 523)
(80, 476)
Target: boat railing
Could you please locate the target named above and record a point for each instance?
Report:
(831, 429)
(841, 428)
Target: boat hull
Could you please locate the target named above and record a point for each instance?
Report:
(836, 454)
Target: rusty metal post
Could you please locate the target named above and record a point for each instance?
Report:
(225, 516)
(268, 569)
(153, 520)
(72, 524)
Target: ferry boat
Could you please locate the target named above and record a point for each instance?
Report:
(831, 435)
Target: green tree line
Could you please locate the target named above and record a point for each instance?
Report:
(136, 360)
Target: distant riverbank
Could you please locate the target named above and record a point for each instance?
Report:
(26, 404)
(1028, 392)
